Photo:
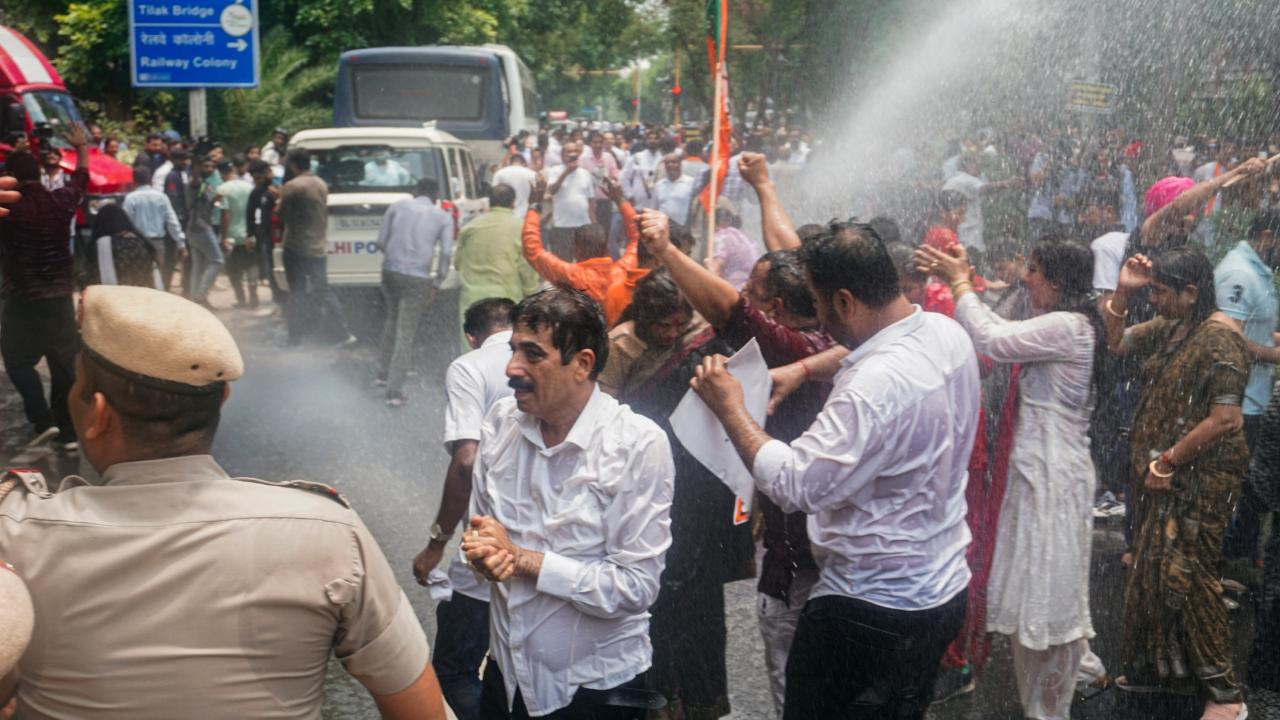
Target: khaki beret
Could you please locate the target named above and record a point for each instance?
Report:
(16, 619)
(155, 335)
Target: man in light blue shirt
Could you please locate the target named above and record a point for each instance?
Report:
(382, 171)
(151, 211)
(414, 234)
(1245, 288)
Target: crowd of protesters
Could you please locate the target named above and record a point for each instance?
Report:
(1029, 334)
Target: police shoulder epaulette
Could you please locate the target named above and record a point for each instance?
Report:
(32, 480)
(315, 487)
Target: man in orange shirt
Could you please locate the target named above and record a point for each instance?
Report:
(592, 271)
(618, 298)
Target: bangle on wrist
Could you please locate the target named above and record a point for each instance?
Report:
(805, 366)
(1154, 470)
(955, 286)
(1112, 310)
(1166, 459)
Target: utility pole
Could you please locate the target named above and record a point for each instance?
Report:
(635, 92)
(197, 113)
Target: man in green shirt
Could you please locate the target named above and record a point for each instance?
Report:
(242, 265)
(488, 257)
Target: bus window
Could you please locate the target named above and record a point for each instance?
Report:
(439, 92)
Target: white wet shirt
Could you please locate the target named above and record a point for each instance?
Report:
(598, 506)
(474, 382)
(569, 204)
(882, 470)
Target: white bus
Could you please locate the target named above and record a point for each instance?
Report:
(481, 94)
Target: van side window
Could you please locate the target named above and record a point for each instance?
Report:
(469, 175)
(456, 187)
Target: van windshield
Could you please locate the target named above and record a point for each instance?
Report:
(419, 92)
(55, 109)
(377, 168)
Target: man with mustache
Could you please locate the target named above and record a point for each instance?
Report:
(570, 505)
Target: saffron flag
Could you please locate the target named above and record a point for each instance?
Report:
(717, 40)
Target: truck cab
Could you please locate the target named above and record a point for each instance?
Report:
(35, 107)
(369, 168)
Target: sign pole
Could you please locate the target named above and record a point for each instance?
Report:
(198, 113)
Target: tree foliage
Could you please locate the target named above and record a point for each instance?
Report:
(295, 93)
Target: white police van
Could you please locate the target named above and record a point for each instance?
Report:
(369, 168)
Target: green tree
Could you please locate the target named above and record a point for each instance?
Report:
(295, 91)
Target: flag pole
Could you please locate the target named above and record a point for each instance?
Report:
(715, 165)
(722, 33)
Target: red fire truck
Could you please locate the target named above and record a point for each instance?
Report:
(35, 105)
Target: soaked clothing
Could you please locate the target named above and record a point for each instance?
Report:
(1039, 583)
(707, 550)
(34, 252)
(786, 540)
(1039, 588)
(173, 588)
(1262, 489)
(1176, 631)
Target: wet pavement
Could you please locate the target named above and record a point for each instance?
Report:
(313, 412)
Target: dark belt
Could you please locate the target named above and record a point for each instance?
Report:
(626, 697)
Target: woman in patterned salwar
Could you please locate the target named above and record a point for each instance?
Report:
(1188, 455)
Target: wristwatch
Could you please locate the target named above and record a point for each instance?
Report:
(438, 534)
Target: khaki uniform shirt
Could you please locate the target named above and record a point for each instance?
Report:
(175, 591)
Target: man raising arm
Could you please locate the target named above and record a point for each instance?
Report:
(882, 471)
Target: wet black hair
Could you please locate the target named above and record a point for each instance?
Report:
(502, 195)
(299, 159)
(785, 279)
(1183, 266)
(850, 256)
(808, 231)
(259, 166)
(141, 175)
(575, 319)
(112, 220)
(945, 201)
(590, 241)
(484, 317)
(904, 258)
(656, 298)
(23, 166)
(428, 187)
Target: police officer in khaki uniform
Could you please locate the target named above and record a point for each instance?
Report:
(173, 590)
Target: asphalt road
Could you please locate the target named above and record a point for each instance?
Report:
(313, 412)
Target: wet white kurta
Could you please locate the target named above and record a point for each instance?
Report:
(1039, 586)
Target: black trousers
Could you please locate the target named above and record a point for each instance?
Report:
(309, 294)
(852, 660)
(35, 329)
(585, 705)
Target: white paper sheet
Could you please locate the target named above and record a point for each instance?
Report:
(705, 438)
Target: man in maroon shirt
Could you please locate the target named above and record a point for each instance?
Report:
(776, 308)
(39, 318)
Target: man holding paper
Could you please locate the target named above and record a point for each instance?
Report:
(882, 473)
(775, 308)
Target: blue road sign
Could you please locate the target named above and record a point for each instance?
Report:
(193, 43)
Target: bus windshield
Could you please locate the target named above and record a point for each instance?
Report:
(420, 92)
(55, 109)
(377, 168)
